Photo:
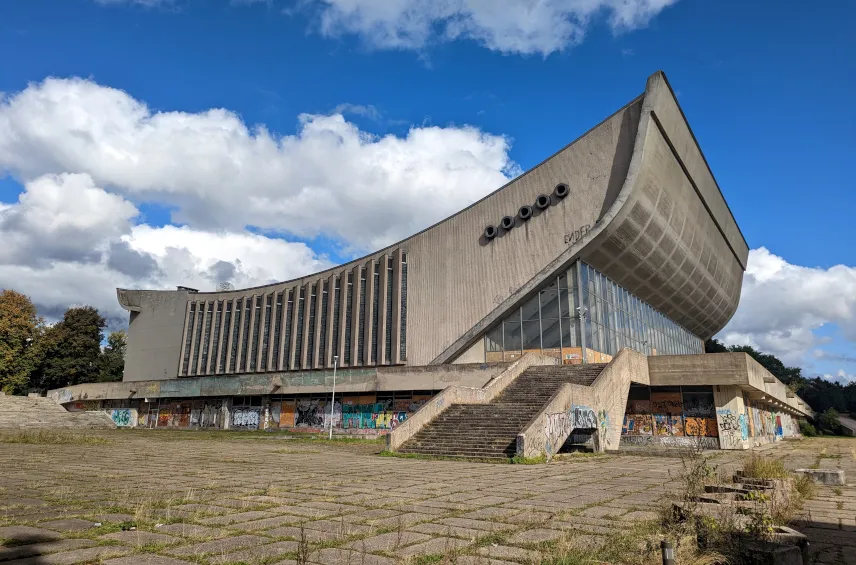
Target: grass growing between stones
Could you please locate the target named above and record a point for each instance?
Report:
(759, 467)
(50, 437)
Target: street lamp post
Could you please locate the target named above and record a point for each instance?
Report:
(333, 400)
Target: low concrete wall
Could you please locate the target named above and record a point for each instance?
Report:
(463, 395)
(299, 382)
(599, 407)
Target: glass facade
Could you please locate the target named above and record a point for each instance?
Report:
(583, 316)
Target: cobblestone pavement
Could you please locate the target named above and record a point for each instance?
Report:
(218, 498)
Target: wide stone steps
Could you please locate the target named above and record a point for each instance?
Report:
(489, 431)
(23, 413)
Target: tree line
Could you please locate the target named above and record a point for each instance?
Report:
(39, 356)
(825, 397)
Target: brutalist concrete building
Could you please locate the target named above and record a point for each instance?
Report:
(620, 241)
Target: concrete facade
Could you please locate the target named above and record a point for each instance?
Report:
(618, 246)
(632, 197)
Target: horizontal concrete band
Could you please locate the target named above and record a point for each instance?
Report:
(436, 377)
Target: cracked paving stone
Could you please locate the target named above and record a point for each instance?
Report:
(508, 552)
(257, 553)
(87, 555)
(140, 537)
(345, 557)
(219, 546)
(68, 525)
(436, 545)
(233, 518)
(191, 530)
(538, 535)
(387, 542)
(43, 548)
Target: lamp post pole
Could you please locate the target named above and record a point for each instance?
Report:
(333, 400)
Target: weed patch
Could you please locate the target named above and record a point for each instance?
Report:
(51, 437)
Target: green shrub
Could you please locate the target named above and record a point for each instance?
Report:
(807, 429)
(828, 422)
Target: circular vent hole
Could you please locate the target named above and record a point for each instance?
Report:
(562, 190)
(490, 232)
(542, 202)
(507, 223)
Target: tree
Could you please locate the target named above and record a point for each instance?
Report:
(714, 346)
(113, 357)
(772, 363)
(71, 349)
(20, 327)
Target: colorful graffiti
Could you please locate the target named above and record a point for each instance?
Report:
(638, 424)
(705, 427)
(666, 403)
(779, 432)
(122, 417)
(584, 417)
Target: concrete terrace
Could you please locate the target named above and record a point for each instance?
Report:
(221, 497)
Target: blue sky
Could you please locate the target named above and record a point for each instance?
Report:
(767, 87)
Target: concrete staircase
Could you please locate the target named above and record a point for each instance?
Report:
(27, 413)
(489, 431)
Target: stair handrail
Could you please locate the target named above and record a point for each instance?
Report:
(456, 394)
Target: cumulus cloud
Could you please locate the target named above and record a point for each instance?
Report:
(509, 26)
(217, 172)
(62, 217)
(69, 242)
(841, 377)
(782, 304)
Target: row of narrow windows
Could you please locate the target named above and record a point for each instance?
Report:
(257, 334)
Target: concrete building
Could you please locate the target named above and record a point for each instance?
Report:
(620, 241)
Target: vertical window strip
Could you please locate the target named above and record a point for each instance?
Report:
(187, 343)
(277, 329)
(245, 345)
(236, 329)
(310, 340)
(361, 321)
(388, 337)
(227, 320)
(298, 349)
(257, 320)
(197, 340)
(403, 324)
(337, 292)
(266, 333)
(322, 345)
(375, 304)
(206, 340)
(215, 339)
(349, 299)
(289, 317)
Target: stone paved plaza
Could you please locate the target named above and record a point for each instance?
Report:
(218, 498)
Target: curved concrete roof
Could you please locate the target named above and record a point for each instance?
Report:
(643, 208)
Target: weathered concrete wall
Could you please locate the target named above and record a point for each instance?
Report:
(725, 369)
(154, 335)
(298, 382)
(599, 407)
(463, 395)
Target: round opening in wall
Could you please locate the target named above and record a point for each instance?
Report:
(542, 202)
(507, 223)
(490, 232)
(561, 190)
(525, 212)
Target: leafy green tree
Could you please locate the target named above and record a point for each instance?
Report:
(113, 357)
(71, 349)
(714, 346)
(20, 328)
(828, 422)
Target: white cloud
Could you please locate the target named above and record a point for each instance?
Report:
(841, 377)
(62, 217)
(508, 26)
(68, 242)
(330, 178)
(782, 304)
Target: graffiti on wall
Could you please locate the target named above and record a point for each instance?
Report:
(666, 403)
(705, 427)
(638, 424)
(584, 417)
(779, 431)
(122, 417)
(246, 418)
(699, 405)
(309, 414)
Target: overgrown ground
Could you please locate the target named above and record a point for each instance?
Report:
(220, 497)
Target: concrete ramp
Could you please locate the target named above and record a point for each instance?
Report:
(28, 413)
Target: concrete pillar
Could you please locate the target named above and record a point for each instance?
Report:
(731, 417)
(227, 413)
